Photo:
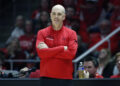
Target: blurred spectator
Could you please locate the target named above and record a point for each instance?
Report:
(14, 52)
(117, 61)
(54, 2)
(76, 25)
(91, 64)
(105, 29)
(44, 6)
(42, 21)
(91, 12)
(115, 19)
(73, 22)
(27, 42)
(83, 32)
(70, 16)
(113, 4)
(104, 58)
(68, 3)
(18, 30)
(65, 3)
(82, 47)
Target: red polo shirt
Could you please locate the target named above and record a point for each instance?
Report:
(55, 62)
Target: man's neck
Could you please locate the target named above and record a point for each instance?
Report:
(57, 27)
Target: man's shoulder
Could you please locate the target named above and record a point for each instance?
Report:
(45, 29)
(69, 30)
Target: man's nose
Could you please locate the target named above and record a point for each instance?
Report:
(56, 16)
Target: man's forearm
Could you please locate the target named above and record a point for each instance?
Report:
(49, 52)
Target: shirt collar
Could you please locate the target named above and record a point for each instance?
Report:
(57, 30)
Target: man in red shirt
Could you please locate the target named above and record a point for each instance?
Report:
(91, 64)
(56, 46)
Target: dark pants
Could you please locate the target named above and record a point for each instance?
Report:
(55, 82)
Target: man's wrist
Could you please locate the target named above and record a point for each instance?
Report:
(65, 48)
(42, 45)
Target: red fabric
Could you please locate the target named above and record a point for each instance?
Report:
(98, 76)
(27, 43)
(79, 3)
(114, 19)
(38, 11)
(83, 32)
(95, 38)
(90, 17)
(35, 74)
(115, 76)
(115, 24)
(54, 2)
(34, 14)
(5, 51)
(55, 62)
(115, 2)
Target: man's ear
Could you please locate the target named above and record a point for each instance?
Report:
(64, 16)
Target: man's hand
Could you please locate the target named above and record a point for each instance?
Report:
(42, 45)
(65, 48)
(25, 69)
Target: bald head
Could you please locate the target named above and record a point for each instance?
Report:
(58, 7)
(57, 16)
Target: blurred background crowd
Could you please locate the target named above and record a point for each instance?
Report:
(92, 20)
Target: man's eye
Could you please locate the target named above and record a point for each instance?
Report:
(53, 13)
(59, 14)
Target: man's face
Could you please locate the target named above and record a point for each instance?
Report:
(118, 63)
(88, 66)
(57, 16)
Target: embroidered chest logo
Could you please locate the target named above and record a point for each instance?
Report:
(49, 37)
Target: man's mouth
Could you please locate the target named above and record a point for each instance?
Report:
(56, 20)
